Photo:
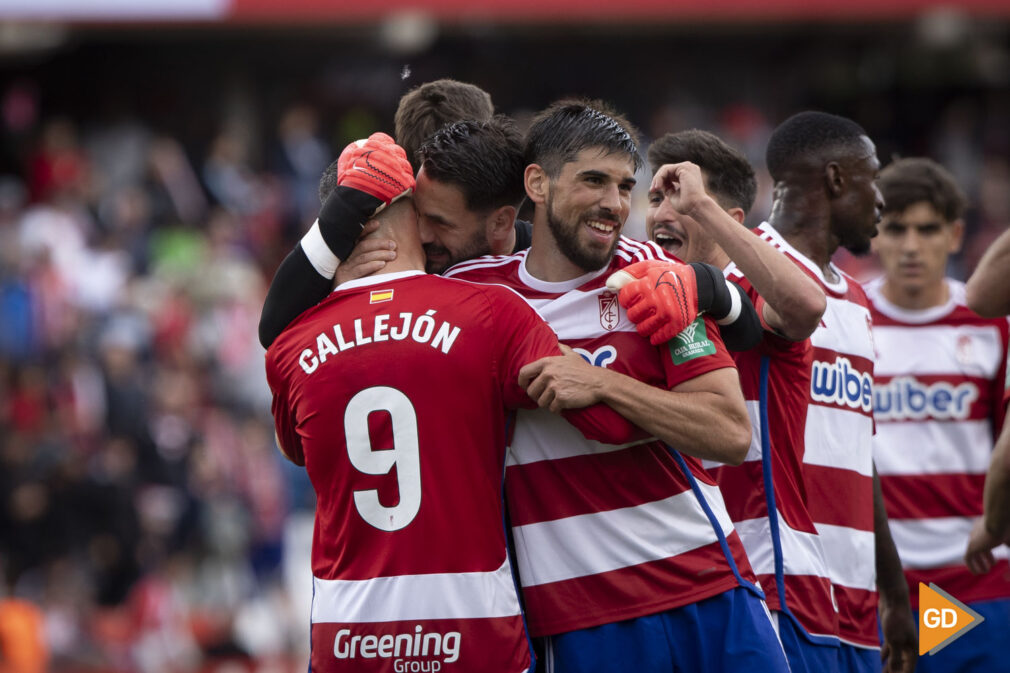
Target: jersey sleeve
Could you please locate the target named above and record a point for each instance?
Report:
(695, 351)
(285, 424)
(524, 337)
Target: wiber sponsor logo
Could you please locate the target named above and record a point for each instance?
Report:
(411, 652)
(906, 398)
(841, 384)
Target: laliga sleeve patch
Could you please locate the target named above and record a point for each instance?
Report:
(691, 343)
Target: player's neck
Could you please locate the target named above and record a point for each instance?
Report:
(409, 253)
(916, 299)
(807, 229)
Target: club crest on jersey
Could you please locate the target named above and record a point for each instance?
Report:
(610, 311)
(601, 357)
(379, 296)
(963, 350)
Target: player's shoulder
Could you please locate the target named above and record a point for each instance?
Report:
(486, 267)
(629, 251)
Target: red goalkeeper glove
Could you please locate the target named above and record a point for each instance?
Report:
(378, 167)
(661, 297)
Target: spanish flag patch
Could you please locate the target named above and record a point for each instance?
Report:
(379, 296)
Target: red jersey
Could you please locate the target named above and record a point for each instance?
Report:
(605, 531)
(392, 393)
(766, 495)
(837, 458)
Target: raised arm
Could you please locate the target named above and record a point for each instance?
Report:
(370, 175)
(988, 289)
(794, 303)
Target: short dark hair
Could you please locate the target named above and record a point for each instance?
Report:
(729, 175)
(909, 181)
(430, 106)
(567, 127)
(809, 135)
(484, 159)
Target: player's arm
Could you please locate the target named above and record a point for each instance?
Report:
(794, 303)
(521, 337)
(900, 645)
(987, 291)
(371, 174)
(704, 416)
(993, 529)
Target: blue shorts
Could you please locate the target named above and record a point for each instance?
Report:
(726, 633)
(803, 655)
(981, 649)
(852, 659)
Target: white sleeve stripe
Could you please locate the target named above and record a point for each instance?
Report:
(736, 306)
(320, 256)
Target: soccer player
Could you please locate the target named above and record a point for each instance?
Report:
(328, 251)
(430, 106)
(627, 557)
(393, 394)
(824, 168)
(696, 211)
(939, 378)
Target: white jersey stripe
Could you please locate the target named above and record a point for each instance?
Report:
(933, 442)
(926, 543)
(546, 561)
(846, 333)
(849, 550)
(981, 342)
(825, 426)
(484, 263)
(546, 436)
(801, 552)
(475, 595)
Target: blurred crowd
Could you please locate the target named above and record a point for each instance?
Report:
(147, 520)
(143, 500)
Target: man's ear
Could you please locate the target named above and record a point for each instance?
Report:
(834, 179)
(957, 236)
(737, 214)
(537, 183)
(499, 228)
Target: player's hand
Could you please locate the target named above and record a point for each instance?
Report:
(369, 255)
(682, 184)
(900, 647)
(978, 556)
(661, 297)
(376, 166)
(562, 381)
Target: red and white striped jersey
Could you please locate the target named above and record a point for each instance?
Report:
(393, 394)
(940, 377)
(838, 446)
(766, 495)
(607, 532)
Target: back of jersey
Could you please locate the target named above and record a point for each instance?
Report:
(393, 393)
